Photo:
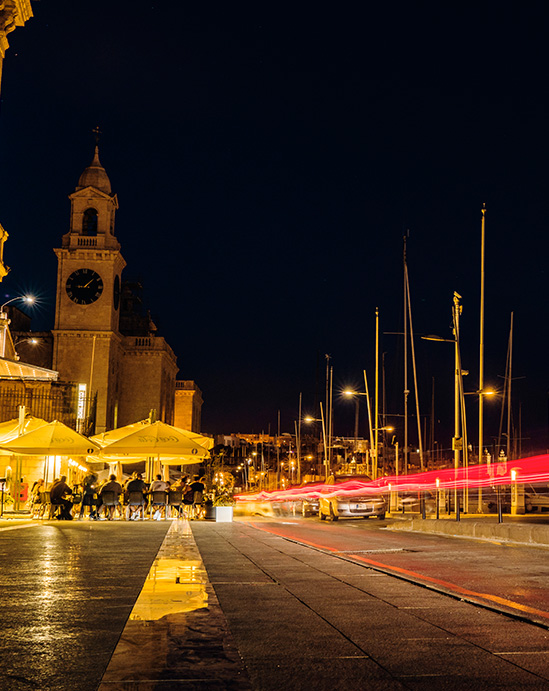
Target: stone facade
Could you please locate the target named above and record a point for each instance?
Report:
(148, 372)
(188, 406)
(13, 13)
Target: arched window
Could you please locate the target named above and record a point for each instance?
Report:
(89, 222)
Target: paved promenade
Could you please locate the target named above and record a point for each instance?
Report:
(281, 615)
(203, 605)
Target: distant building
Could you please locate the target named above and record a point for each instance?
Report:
(188, 405)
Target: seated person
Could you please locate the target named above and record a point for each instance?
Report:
(158, 485)
(111, 486)
(136, 485)
(58, 493)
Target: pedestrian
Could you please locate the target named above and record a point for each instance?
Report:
(36, 496)
(188, 496)
(198, 488)
(90, 497)
(58, 497)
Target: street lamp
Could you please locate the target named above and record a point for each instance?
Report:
(359, 393)
(321, 419)
(26, 298)
(457, 443)
(31, 341)
(4, 321)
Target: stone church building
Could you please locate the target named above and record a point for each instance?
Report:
(102, 340)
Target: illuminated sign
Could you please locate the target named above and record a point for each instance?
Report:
(81, 414)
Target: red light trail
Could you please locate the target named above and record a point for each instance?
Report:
(527, 470)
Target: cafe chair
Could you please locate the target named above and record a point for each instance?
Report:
(110, 502)
(175, 502)
(159, 501)
(135, 505)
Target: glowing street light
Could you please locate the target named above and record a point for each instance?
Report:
(29, 299)
(321, 419)
(4, 321)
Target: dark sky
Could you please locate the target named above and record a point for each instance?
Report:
(268, 162)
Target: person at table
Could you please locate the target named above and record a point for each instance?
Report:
(59, 492)
(136, 484)
(158, 485)
(111, 486)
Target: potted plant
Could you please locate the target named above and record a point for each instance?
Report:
(223, 506)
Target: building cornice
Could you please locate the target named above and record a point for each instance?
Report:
(13, 13)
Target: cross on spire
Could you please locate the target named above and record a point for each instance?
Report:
(97, 133)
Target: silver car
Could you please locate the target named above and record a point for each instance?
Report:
(344, 506)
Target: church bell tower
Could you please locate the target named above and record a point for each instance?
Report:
(87, 341)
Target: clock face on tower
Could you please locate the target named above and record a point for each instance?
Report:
(84, 286)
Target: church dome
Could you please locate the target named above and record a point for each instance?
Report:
(95, 175)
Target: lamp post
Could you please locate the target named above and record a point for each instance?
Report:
(375, 465)
(356, 394)
(26, 298)
(457, 442)
(4, 321)
(321, 419)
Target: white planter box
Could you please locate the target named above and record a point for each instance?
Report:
(223, 514)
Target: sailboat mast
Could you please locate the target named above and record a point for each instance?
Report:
(509, 447)
(420, 439)
(481, 344)
(406, 392)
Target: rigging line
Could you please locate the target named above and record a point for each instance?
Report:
(414, 367)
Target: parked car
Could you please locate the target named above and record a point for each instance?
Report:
(297, 505)
(536, 498)
(411, 502)
(342, 505)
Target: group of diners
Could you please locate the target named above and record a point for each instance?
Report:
(110, 499)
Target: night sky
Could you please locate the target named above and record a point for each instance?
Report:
(268, 162)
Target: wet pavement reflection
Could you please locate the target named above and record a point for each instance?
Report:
(176, 633)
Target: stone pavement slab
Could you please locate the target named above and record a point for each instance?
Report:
(303, 619)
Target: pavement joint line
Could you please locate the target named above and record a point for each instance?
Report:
(18, 527)
(463, 596)
(522, 652)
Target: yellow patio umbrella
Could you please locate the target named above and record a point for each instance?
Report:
(106, 439)
(154, 439)
(10, 429)
(51, 439)
(155, 442)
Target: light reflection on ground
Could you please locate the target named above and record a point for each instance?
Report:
(173, 586)
(176, 582)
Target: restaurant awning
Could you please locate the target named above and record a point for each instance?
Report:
(12, 369)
